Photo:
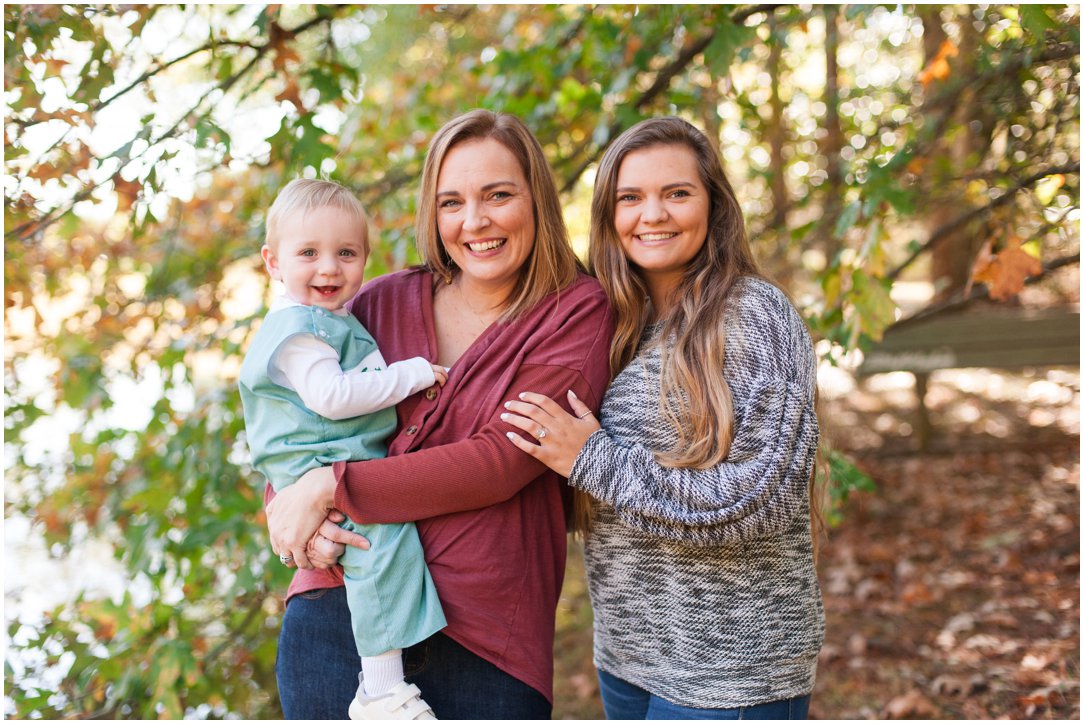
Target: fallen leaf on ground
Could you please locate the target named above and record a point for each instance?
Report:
(912, 705)
(950, 685)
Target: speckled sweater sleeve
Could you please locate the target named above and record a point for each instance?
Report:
(761, 486)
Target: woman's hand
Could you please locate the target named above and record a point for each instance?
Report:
(297, 512)
(560, 435)
(329, 543)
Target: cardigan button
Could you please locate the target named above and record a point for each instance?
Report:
(412, 429)
(431, 393)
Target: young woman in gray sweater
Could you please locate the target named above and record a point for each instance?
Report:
(698, 545)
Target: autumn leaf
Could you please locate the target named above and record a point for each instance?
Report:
(127, 192)
(44, 172)
(1004, 273)
(938, 68)
(911, 705)
(1045, 189)
(292, 94)
(53, 66)
(278, 40)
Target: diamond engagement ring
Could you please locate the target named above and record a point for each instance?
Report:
(541, 433)
(286, 560)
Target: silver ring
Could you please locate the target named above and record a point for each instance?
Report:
(541, 433)
(286, 560)
(586, 414)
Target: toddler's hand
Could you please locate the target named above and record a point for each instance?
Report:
(441, 373)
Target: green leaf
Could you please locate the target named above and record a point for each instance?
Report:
(726, 41)
(873, 305)
(843, 480)
(1036, 19)
(848, 218)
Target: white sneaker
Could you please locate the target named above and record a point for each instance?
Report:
(404, 701)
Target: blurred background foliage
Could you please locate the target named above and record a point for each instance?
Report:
(872, 147)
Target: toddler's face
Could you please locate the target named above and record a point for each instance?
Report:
(320, 257)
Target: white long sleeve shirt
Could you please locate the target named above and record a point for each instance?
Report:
(311, 368)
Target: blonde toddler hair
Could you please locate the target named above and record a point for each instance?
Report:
(306, 194)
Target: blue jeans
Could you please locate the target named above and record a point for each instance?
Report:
(622, 700)
(317, 669)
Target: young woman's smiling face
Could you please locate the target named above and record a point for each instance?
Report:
(661, 213)
(485, 214)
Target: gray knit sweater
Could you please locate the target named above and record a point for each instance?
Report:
(702, 581)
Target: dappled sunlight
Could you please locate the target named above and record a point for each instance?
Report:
(982, 402)
(892, 163)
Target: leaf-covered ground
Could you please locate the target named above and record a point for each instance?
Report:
(953, 591)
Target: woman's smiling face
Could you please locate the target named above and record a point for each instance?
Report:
(485, 213)
(661, 213)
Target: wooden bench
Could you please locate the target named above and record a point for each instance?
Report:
(1010, 338)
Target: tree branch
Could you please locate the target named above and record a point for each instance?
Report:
(31, 228)
(967, 295)
(168, 64)
(982, 291)
(661, 83)
(940, 234)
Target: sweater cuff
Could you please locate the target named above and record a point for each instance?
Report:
(587, 474)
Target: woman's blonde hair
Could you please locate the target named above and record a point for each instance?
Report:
(552, 265)
(693, 396)
(302, 195)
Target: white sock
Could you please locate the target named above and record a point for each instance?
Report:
(382, 672)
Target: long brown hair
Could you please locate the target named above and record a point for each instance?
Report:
(693, 396)
(552, 265)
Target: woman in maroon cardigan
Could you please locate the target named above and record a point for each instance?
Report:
(502, 301)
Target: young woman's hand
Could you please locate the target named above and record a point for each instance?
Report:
(560, 435)
(296, 513)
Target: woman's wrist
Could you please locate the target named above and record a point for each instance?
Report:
(326, 486)
(338, 472)
(318, 488)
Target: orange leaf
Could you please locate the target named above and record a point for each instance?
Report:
(53, 66)
(1006, 271)
(938, 68)
(293, 94)
(127, 192)
(279, 39)
(912, 705)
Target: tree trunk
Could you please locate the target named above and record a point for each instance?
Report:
(709, 113)
(782, 265)
(777, 132)
(952, 259)
(833, 138)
